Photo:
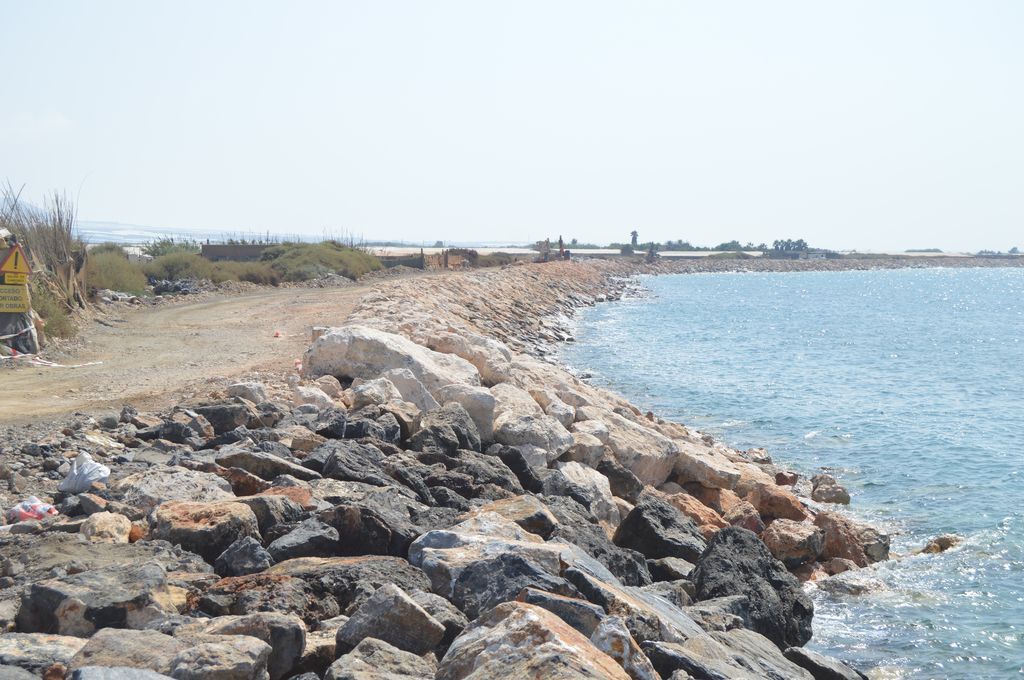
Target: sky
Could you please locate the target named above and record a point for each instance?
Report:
(869, 125)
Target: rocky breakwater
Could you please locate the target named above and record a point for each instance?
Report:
(428, 501)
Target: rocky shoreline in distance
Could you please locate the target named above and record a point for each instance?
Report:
(430, 498)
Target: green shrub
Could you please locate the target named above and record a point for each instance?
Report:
(167, 246)
(58, 323)
(254, 272)
(111, 269)
(179, 265)
(107, 248)
(304, 261)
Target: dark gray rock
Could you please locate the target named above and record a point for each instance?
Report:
(481, 470)
(390, 427)
(721, 613)
(392, 616)
(736, 562)
(679, 592)
(377, 660)
(264, 465)
(310, 538)
(516, 462)
(624, 483)
(350, 580)
(272, 509)
(445, 613)
(352, 461)
(822, 667)
(487, 583)
(669, 657)
(556, 483)
(669, 568)
(656, 529)
(380, 530)
(580, 614)
(106, 598)
(225, 415)
(244, 556)
(579, 526)
(453, 416)
(332, 423)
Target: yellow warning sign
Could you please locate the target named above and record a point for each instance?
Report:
(15, 279)
(13, 299)
(15, 262)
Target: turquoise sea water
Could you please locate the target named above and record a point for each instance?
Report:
(909, 384)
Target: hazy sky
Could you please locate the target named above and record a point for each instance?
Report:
(880, 124)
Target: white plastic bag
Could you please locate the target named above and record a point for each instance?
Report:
(84, 471)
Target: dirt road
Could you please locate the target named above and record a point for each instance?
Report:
(151, 357)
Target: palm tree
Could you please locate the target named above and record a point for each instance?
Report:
(633, 235)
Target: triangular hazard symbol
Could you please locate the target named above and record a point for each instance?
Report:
(15, 262)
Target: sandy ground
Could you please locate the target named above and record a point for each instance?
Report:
(155, 356)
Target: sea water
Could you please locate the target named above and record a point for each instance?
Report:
(907, 385)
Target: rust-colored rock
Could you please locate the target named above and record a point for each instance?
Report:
(300, 495)
(519, 640)
(793, 543)
(745, 515)
(706, 519)
(719, 500)
(848, 540)
(206, 529)
(775, 502)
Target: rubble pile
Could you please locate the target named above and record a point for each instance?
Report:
(433, 499)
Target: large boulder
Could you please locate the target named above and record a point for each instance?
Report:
(394, 617)
(793, 543)
(37, 651)
(648, 454)
(159, 484)
(704, 465)
(107, 527)
(445, 554)
(286, 635)
(825, 489)
(613, 638)
(264, 465)
(490, 357)
(360, 352)
(411, 389)
(846, 539)
(577, 526)
(822, 667)
(597, 489)
(736, 562)
(377, 660)
(520, 421)
(136, 649)
(207, 529)
(776, 502)
(478, 402)
(516, 639)
(120, 596)
(656, 529)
